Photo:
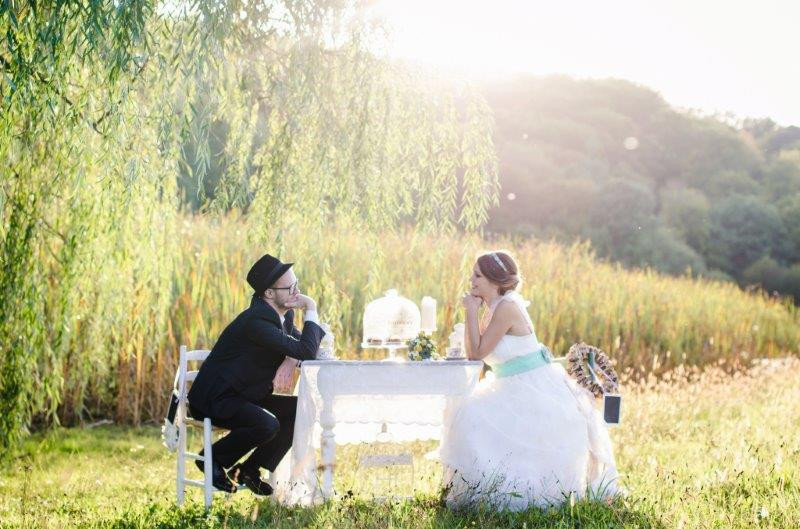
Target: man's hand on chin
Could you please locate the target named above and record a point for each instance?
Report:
(301, 301)
(309, 306)
(282, 383)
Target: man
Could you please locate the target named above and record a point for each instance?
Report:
(255, 353)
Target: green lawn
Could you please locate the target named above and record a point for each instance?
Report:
(712, 451)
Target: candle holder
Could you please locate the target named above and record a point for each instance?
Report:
(456, 349)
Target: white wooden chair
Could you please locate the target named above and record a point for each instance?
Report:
(182, 420)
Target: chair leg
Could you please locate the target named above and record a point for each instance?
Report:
(181, 470)
(208, 488)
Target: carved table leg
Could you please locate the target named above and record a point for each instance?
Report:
(327, 440)
(328, 449)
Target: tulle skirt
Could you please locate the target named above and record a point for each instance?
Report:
(532, 439)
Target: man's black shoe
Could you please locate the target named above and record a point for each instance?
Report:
(251, 478)
(219, 479)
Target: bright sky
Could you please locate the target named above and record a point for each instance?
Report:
(737, 56)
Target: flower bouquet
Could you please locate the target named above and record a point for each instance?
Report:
(422, 348)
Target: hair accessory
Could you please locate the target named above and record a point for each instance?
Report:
(498, 261)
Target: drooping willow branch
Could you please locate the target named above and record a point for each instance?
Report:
(281, 109)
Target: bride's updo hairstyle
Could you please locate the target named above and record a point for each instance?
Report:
(501, 269)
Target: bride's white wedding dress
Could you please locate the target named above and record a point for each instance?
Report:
(529, 438)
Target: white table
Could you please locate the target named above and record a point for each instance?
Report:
(340, 402)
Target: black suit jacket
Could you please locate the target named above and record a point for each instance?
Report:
(244, 360)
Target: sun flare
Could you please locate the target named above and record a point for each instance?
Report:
(715, 56)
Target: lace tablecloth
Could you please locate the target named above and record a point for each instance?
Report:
(340, 402)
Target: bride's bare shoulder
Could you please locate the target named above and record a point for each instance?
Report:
(509, 312)
(505, 309)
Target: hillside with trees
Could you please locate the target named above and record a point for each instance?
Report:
(647, 184)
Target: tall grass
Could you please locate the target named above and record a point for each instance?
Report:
(647, 322)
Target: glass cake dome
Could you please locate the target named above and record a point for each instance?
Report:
(390, 320)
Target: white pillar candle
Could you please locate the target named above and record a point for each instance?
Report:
(428, 314)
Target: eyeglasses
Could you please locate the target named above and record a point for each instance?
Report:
(291, 288)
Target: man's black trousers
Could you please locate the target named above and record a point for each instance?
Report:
(267, 426)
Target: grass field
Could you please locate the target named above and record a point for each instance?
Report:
(697, 449)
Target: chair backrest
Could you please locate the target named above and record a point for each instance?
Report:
(184, 376)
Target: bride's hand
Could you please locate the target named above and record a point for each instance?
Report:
(471, 303)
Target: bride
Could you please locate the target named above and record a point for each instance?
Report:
(529, 436)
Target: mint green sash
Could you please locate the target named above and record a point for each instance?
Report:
(520, 364)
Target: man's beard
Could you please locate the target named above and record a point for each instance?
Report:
(282, 304)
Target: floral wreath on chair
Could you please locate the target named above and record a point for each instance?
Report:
(579, 366)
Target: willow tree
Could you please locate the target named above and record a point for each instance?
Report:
(98, 100)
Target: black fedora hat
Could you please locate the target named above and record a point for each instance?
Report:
(265, 272)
